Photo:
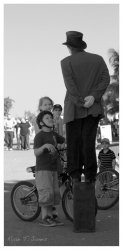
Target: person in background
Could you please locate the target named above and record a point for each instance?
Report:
(86, 78)
(29, 132)
(58, 127)
(106, 157)
(24, 131)
(58, 121)
(46, 168)
(9, 125)
(45, 103)
(5, 146)
(17, 129)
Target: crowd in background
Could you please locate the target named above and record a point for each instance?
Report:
(19, 129)
(22, 132)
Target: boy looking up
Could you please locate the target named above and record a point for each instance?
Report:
(46, 167)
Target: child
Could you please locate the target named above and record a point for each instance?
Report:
(45, 103)
(58, 121)
(58, 127)
(106, 157)
(46, 167)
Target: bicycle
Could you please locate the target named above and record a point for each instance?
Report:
(24, 195)
(107, 188)
(106, 193)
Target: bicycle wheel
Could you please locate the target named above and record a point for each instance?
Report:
(67, 204)
(107, 188)
(24, 201)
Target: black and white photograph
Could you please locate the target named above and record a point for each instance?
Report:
(61, 124)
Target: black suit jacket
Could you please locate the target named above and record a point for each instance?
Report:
(84, 74)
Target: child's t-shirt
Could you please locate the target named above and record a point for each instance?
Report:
(106, 158)
(46, 160)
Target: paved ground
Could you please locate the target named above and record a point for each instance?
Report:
(19, 233)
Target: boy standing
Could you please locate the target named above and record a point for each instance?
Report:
(46, 167)
(106, 157)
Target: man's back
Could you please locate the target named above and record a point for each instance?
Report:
(86, 70)
(85, 74)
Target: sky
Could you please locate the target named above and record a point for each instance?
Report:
(33, 37)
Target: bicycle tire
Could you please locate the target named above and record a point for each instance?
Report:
(64, 207)
(66, 211)
(104, 195)
(20, 214)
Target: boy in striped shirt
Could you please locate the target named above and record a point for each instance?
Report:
(106, 157)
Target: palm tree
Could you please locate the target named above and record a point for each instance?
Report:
(8, 104)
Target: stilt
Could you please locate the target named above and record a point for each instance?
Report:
(84, 207)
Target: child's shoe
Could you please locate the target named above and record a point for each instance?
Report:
(54, 211)
(57, 221)
(47, 222)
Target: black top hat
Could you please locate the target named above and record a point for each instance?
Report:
(75, 40)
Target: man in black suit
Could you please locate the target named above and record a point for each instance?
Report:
(86, 78)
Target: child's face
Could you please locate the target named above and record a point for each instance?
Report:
(57, 112)
(105, 145)
(48, 120)
(46, 105)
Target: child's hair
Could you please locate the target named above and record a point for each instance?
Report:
(42, 99)
(41, 115)
(57, 106)
(105, 140)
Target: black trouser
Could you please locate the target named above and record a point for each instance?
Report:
(24, 141)
(9, 138)
(81, 136)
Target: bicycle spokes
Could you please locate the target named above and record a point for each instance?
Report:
(107, 188)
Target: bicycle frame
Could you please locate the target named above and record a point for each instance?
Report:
(34, 189)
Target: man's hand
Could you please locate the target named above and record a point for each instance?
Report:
(89, 101)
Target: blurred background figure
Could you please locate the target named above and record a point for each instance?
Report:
(9, 124)
(17, 131)
(24, 134)
(29, 132)
(58, 121)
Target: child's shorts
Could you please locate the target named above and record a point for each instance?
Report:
(48, 187)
